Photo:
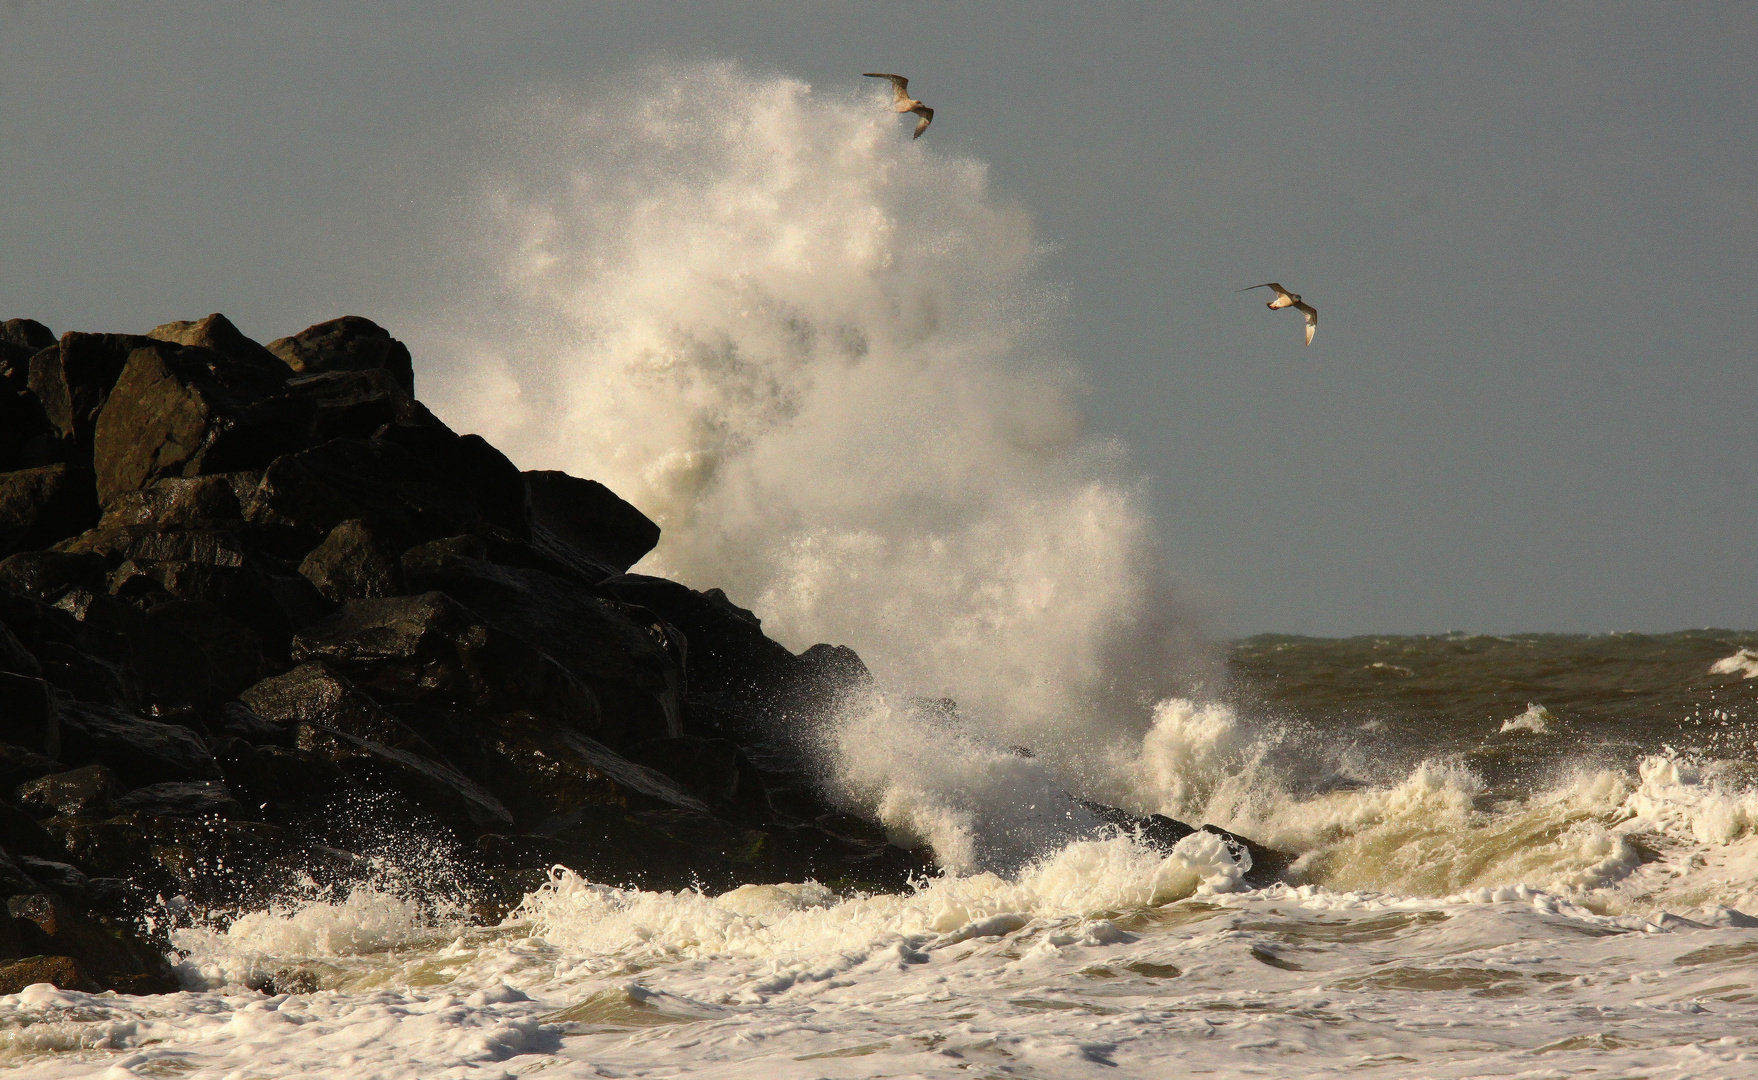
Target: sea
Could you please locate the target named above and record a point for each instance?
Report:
(834, 364)
(1532, 855)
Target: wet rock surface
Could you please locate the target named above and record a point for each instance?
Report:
(260, 609)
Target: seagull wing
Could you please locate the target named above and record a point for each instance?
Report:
(927, 116)
(900, 86)
(1283, 296)
(1311, 319)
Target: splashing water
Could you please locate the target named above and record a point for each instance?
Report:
(818, 354)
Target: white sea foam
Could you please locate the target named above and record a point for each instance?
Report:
(1536, 720)
(1743, 663)
(823, 359)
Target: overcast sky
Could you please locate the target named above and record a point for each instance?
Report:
(1532, 237)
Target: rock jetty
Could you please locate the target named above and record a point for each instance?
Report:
(262, 615)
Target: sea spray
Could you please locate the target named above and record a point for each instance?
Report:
(821, 356)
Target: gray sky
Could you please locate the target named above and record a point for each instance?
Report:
(1531, 235)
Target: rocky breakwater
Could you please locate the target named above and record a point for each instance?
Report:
(268, 625)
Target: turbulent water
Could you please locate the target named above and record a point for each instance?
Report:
(820, 354)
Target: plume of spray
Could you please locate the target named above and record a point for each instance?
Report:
(821, 356)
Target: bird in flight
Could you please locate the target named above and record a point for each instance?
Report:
(902, 102)
(1283, 299)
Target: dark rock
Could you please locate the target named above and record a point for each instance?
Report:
(357, 403)
(206, 859)
(41, 506)
(248, 774)
(216, 332)
(23, 431)
(184, 412)
(62, 972)
(622, 653)
(15, 658)
(26, 334)
(728, 652)
(591, 518)
(19, 764)
(235, 720)
(45, 575)
(353, 563)
(435, 787)
(397, 493)
(677, 849)
(138, 751)
(23, 834)
(431, 649)
(83, 661)
(67, 880)
(542, 769)
(313, 694)
(27, 710)
(87, 677)
(295, 775)
(85, 791)
(72, 383)
(194, 798)
(1267, 864)
(435, 556)
(115, 958)
(14, 881)
(715, 771)
(192, 653)
(184, 502)
(493, 482)
(350, 343)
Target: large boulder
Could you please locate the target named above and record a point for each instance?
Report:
(591, 518)
(22, 425)
(542, 769)
(45, 575)
(203, 857)
(72, 382)
(41, 506)
(313, 694)
(350, 343)
(209, 502)
(84, 661)
(178, 411)
(115, 958)
(402, 495)
(86, 791)
(26, 333)
(715, 771)
(434, 786)
(356, 403)
(61, 972)
(433, 650)
(191, 652)
(353, 563)
(625, 654)
(137, 750)
(182, 798)
(27, 711)
(19, 764)
(216, 332)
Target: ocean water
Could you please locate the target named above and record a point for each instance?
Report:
(1500, 903)
(828, 360)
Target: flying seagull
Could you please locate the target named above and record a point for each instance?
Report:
(900, 87)
(1284, 298)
